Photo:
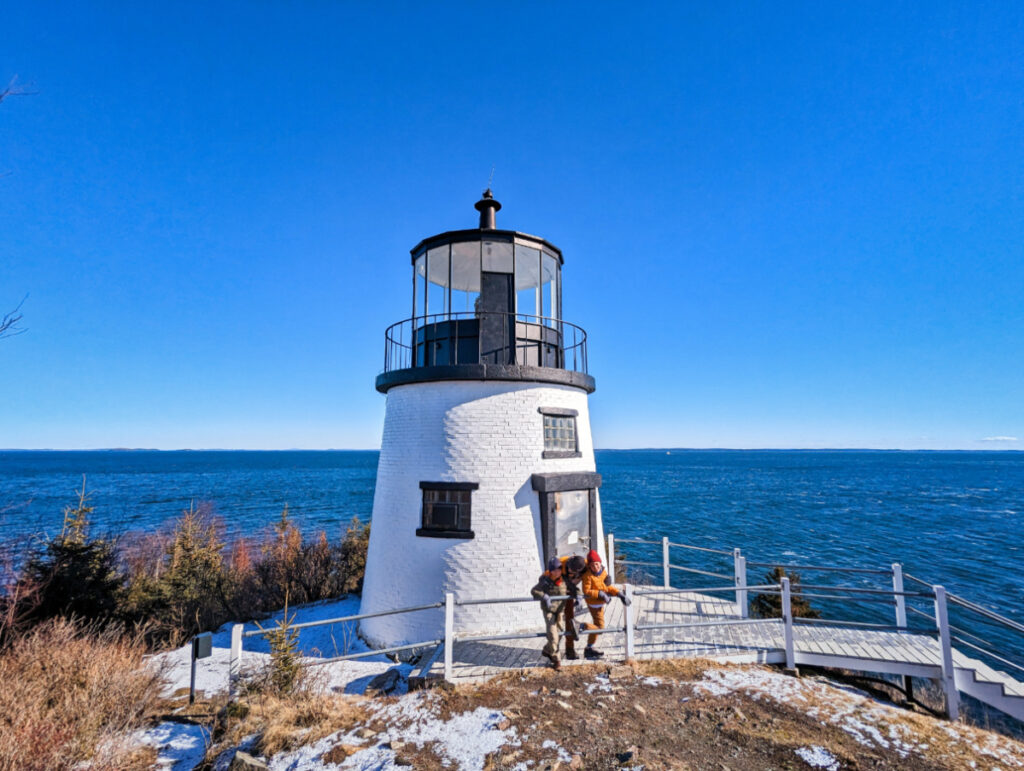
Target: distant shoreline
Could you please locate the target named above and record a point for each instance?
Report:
(598, 449)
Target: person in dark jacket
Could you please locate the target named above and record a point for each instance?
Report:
(573, 569)
(552, 592)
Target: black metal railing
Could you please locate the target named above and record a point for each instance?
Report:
(449, 339)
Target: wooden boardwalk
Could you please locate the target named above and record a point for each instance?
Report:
(762, 641)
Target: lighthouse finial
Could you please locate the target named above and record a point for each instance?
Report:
(487, 207)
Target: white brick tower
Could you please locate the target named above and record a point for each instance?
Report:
(487, 463)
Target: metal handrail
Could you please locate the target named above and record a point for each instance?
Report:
(500, 600)
(697, 589)
(984, 612)
(701, 572)
(698, 624)
(638, 562)
(533, 635)
(342, 619)
(375, 652)
(816, 568)
(865, 624)
(955, 628)
(699, 548)
(400, 339)
(797, 591)
(988, 653)
(637, 540)
(921, 613)
(918, 580)
(858, 590)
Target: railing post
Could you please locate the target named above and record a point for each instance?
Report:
(948, 675)
(901, 601)
(666, 572)
(235, 658)
(627, 590)
(739, 566)
(449, 634)
(787, 625)
(611, 558)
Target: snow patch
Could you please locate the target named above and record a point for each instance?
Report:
(871, 723)
(818, 757)
(180, 746)
(462, 742)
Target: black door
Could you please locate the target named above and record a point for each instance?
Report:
(497, 325)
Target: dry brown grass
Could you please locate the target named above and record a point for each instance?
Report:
(285, 722)
(69, 694)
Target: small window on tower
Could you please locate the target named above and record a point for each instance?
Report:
(446, 509)
(560, 439)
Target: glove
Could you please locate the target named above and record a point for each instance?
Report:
(604, 596)
(545, 602)
(625, 600)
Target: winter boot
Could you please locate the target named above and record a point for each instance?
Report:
(592, 653)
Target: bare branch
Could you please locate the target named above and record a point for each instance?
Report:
(13, 89)
(9, 324)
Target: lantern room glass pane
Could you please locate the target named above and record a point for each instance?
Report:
(419, 286)
(527, 281)
(437, 280)
(497, 256)
(465, 276)
(549, 287)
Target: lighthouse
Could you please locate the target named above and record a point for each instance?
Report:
(486, 465)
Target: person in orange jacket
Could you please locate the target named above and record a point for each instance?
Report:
(597, 592)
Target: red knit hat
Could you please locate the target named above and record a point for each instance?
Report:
(593, 556)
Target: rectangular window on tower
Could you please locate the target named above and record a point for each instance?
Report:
(447, 509)
(560, 438)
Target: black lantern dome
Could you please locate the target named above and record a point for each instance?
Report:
(487, 304)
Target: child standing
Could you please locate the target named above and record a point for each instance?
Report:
(549, 588)
(598, 593)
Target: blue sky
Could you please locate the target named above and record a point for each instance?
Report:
(784, 225)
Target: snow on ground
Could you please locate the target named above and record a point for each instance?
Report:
(818, 757)
(315, 642)
(180, 746)
(869, 722)
(463, 741)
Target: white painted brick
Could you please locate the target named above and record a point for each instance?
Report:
(488, 432)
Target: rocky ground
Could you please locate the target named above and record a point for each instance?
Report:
(658, 715)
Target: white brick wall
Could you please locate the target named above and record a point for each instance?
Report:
(488, 432)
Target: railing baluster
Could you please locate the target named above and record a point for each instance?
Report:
(897, 589)
(235, 659)
(449, 634)
(739, 563)
(948, 674)
(666, 573)
(787, 626)
(630, 623)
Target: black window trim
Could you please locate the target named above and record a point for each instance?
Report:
(562, 412)
(425, 532)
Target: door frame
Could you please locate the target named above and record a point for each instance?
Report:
(546, 486)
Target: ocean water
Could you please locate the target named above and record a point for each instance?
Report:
(951, 517)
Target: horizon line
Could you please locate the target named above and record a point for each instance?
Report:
(596, 449)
